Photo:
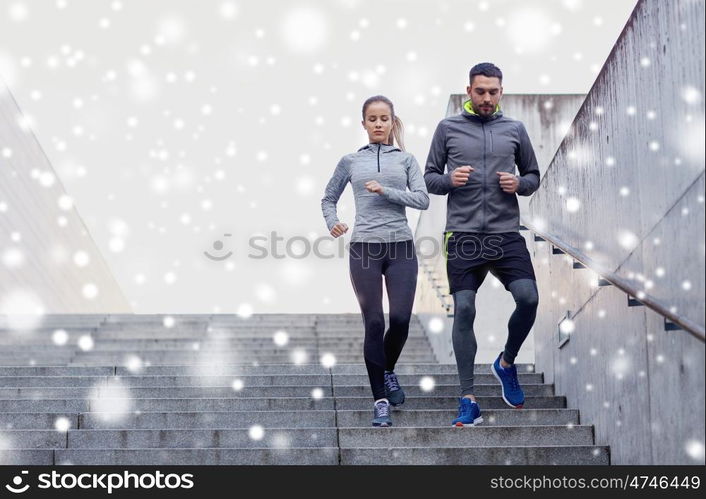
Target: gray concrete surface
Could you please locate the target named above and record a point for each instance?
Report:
(43, 276)
(634, 162)
(307, 414)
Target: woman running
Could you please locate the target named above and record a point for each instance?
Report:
(381, 243)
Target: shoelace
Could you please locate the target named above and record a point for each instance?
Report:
(511, 376)
(391, 382)
(514, 383)
(382, 409)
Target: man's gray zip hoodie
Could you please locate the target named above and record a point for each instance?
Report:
(489, 145)
(378, 217)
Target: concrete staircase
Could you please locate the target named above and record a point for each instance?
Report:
(199, 389)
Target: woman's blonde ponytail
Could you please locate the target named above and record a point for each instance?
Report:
(397, 132)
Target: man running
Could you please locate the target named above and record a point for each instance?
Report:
(480, 148)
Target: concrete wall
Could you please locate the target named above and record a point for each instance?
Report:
(41, 233)
(546, 117)
(627, 188)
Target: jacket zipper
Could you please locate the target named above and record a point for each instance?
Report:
(491, 139)
(484, 178)
(378, 157)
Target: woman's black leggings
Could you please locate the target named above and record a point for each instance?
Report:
(397, 261)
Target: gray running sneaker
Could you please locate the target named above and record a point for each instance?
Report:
(381, 414)
(393, 390)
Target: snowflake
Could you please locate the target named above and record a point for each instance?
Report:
(573, 205)
(256, 432)
(427, 383)
(89, 291)
(691, 95)
(328, 360)
(567, 326)
(280, 338)
(13, 258)
(85, 342)
(245, 310)
(299, 356)
(62, 424)
(305, 30)
(133, 363)
(695, 450)
(436, 325)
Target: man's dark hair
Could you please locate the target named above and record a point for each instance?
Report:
(486, 69)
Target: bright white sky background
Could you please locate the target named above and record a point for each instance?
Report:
(172, 123)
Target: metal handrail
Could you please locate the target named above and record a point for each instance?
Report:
(428, 271)
(688, 325)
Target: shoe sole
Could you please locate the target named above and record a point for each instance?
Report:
(502, 389)
(465, 425)
(382, 425)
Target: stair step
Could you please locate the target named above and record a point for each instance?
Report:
(362, 418)
(171, 420)
(250, 355)
(259, 403)
(23, 457)
(193, 457)
(410, 382)
(413, 380)
(478, 436)
(235, 334)
(443, 417)
(180, 406)
(33, 439)
(565, 455)
(431, 402)
(266, 349)
(205, 364)
(239, 369)
(35, 420)
(294, 419)
(246, 342)
(56, 371)
(227, 390)
(198, 438)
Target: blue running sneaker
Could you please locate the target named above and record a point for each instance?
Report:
(468, 413)
(381, 414)
(393, 390)
(512, 392)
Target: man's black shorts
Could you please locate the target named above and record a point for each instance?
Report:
(470, 255)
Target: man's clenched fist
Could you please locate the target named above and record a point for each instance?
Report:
(508, 182)
(460, 175)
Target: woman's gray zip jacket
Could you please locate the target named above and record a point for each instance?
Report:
(378, 217)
